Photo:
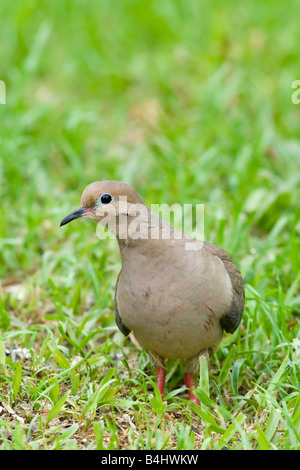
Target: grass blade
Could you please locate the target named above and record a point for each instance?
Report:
(57, 407)
(226, 366)
(16, 381)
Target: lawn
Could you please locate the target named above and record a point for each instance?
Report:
(191, 103)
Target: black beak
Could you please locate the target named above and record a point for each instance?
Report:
(74, 215)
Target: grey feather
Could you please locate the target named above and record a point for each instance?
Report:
(122, 327)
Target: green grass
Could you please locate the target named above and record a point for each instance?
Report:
(190, 102)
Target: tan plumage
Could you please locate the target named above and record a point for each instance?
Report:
(176, 301)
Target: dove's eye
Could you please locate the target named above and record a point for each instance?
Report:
(105, 198)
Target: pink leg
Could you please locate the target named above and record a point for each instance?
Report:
(190, 383)
(161, 376)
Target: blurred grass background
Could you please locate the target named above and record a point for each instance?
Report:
(188, 101)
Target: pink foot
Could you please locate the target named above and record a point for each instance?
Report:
(190, 384)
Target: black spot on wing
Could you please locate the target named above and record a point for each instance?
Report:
(231, 319)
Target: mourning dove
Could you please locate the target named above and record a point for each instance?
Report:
(176, 294)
